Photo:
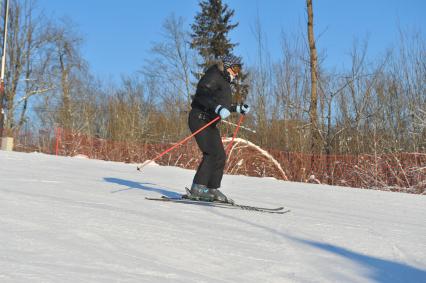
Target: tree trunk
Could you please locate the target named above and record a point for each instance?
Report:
(315, 137)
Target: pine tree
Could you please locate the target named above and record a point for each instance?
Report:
(210, 31)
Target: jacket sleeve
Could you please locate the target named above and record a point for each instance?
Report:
(205, 92)
(233, 108)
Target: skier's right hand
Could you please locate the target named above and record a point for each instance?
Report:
(222, 111)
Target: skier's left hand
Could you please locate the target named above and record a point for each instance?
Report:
(243, 109)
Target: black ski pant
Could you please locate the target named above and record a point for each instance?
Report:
(210, 170)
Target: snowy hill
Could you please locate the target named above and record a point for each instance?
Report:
(77, 220)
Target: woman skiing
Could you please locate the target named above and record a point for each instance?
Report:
(212, 98)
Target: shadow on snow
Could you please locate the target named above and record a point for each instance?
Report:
(131, 185)
(377, 269)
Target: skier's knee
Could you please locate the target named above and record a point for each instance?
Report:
(221, 158)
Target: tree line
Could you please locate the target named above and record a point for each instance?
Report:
(375, 105)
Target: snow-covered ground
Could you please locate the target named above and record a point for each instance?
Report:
(76, 220)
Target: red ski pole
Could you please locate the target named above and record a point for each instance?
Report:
(228, 148)
(179, 143)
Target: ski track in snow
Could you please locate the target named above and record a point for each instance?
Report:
(68, 219)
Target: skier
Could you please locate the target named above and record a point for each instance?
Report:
(212, 98)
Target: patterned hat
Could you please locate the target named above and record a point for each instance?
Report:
(231, 60)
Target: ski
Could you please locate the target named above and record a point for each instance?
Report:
(277, 210)
(184, 197)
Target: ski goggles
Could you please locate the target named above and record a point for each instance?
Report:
(236, 68)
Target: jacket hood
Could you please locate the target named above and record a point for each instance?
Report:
(220, 66)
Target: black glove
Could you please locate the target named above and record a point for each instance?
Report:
(243, 108)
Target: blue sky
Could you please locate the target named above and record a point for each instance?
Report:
(119, 34)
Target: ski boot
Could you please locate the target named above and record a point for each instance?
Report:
(219, 196)
(200, 192)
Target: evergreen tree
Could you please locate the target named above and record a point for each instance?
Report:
(210, 31)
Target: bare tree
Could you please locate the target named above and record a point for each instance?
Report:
(408, 69)
(315, 138)
(168, 79)
(129, 111)
(291, 85)
(68, 64)
(27, 61)
(261, 88)
(173, 61)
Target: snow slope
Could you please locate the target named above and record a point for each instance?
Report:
(76, 220)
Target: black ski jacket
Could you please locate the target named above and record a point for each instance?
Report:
(213, 89)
